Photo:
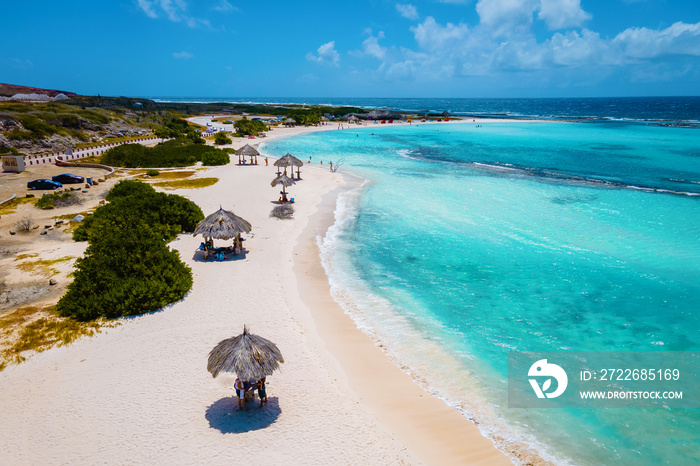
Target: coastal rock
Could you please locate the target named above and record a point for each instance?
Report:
(52, 281)
(89, 125)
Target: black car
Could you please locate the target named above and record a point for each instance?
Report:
(44, 184)
(67, 178)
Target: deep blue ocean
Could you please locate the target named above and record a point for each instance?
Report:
(664, 110)
(471, 240)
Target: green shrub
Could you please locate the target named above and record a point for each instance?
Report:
(168, 214)
(249, 127)
(216, 158)
(127, 268)
(127, 188)
(221, 138)
(9, 150)
(181, 152)
(152, 172)
(49, 201)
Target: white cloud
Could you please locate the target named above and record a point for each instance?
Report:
(183, 55)
(371, 47)
(174, 10)
(679, 38)
(407, 10)
(507, 17)
(327, 55)
(575, 50)
(223, 6)
(147, 8)
(561, 14)
(503, 43)
(432, 36)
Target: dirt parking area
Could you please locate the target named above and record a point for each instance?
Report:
(16, 183)
(35, 263)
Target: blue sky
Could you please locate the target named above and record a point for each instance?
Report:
(361, 48)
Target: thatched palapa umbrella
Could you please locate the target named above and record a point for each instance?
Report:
(249, 356)
(289, 161)
(223, 224)
(249, 151)
(285, 181)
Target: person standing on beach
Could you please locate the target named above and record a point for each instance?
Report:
(266, 161)
(240, 393)
(262, 394)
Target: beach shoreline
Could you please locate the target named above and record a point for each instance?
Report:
(434, 431)
(87, 398)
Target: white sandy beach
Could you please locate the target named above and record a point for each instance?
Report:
(140, 393)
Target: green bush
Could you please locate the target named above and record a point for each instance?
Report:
(9, 150)
(167, 214)
(126, 188)
(182, 152)
(152, 172)
(127, 268)
(221, 139)
(216, 158)
(249, 127)
(49, 201)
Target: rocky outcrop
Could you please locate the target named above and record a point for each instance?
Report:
(61, 143)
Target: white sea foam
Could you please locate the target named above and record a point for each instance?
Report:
(421, 354)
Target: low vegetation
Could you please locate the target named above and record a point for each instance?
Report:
(245, 127)
(172, 175)
(175, 153)
(41, 266)
(38, 329)
(128, 268)
(194, 183)
(25, 224)
(177, 128)
(221, 139)
(215, 158)
(49, 201)
(11, 206)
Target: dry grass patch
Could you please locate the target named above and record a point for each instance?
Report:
(90, 159)
(194, 183)
(173, 175)
(71, 226)
(42, 267)
(11, 207)
(37, 329)
(26, 256)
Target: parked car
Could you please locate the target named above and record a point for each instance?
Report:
(44, 184)
(67, 178)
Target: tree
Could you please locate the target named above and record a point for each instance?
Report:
(249, 127)
(221, 138)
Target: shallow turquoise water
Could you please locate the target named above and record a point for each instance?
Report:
(473, 241)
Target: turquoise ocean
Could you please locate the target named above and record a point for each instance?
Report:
(467, 241)
(471, 240)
